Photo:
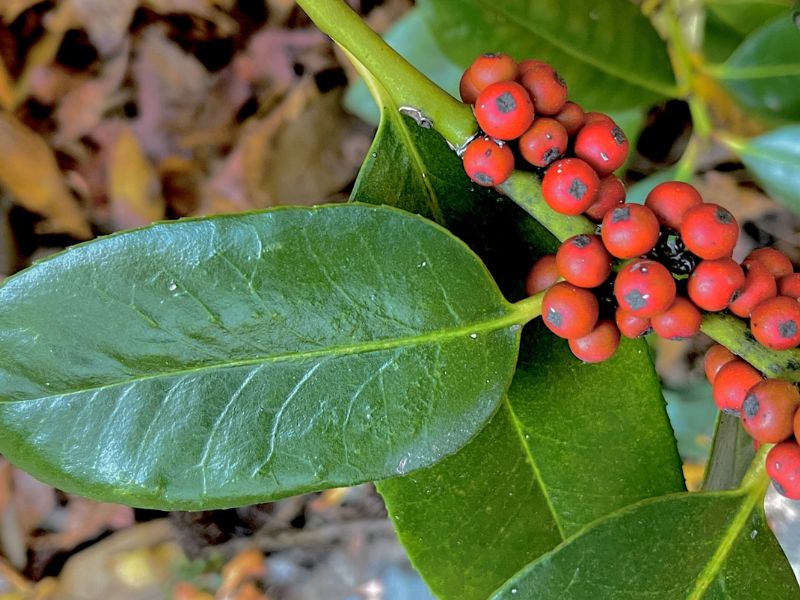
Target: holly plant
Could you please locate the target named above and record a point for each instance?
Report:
(397, 338)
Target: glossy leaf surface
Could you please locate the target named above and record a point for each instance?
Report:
(694, 546)
(236, 359)
(609, 54)
(763, 73)
(774, 158)
(549, 461)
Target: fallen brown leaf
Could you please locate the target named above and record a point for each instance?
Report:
(82, 108)
(271, 54)
(247, 564)
(134, 189)
(133, 564)
(212, 10)
(80, 521)
(29, 171)
(11, 9)
(105, 22)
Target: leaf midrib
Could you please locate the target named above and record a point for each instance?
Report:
(715, 563)
(513, 317)
(648, 85)
(518, 427)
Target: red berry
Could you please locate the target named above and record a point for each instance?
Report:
(714, 284)
(571, 117)
(543, 274)
(630, 230)
(597, 346)
(679, 322)
(710, 231)
(603, 145)
(759, 285)
(716, 357)
(504, 110)
(583, 261)
(789, 285)
(670, 201)
(644, 288)
(777, 262)
(544, 142)
(775, 323)
(492, 68)
(547, 89)
(597, 117)
(610, 194)
(467, 89)
(783, 467)
(768, 410)
(528, 64)
(569, 186)
(731, 385)
(569, 311)
(630, 325)
(797, 426)
(488, 163)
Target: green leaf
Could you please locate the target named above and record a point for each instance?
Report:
(237, 359)
(693, 546)
(412, 38)
(473, 520)
(773, 158)
(609, 54)
(764, 72)
(572, 443)
(743, 16)
(731, 454)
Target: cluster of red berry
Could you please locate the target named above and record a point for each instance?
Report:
(675, 250)
(769, 410)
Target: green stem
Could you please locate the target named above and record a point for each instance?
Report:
(734, 335)
(405, 84)
(529, 308)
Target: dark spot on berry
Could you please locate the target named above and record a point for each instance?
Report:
(635, 300)
(505, 103)
(554, 317)
(488, 152)
(787, 329)
(581, 241)
(620, 214)
(751, 406)
(577, 189)
(550, 155)
(618, 135)
(483, 179)
(723, 216)
(779, 488)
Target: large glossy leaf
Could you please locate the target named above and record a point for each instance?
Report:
(703, 545)
(764, 72)
(550, 460)
(236, 359)
(570, 444)
(609, 54)
(774, 158)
